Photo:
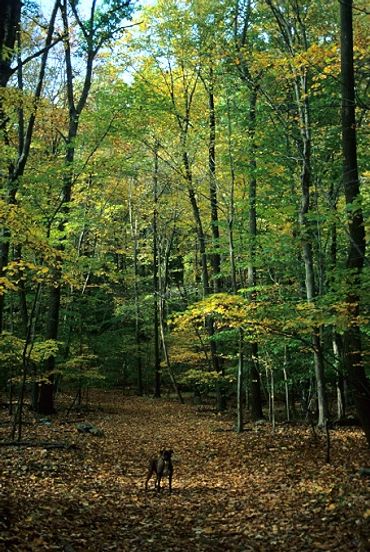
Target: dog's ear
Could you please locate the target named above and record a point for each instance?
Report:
(161, 451)
(170, 451)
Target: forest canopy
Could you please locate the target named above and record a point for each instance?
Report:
(184, 199)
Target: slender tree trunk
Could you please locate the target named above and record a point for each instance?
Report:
(75, 108)
(272, 387)
(286, 384)
(215, 256)
(46, 394)
(255, 384)
(353, 358)
(240, 384)
(198, 224)
(164, 260)
(338, 362)
(306, 237)
(134, 236)
(252, 186)
(46, 391)
(337, 342)
(11, 13)
(184, 122)
(26, 356)
(230, 221)
(167, 359)
(255, 399)
(205, 277)
(294, 35)
(157, 360)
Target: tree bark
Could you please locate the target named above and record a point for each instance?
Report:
(134, 236)
(306, 239)
(198, 225)
(293, 33)
(242, 21)
(10, 15)
(75, 108)
(157, 360)
(231, 213)
(240, 384)
(353, 358)
(16, 169)
(215, 256)
(255, 384)
(46, 392)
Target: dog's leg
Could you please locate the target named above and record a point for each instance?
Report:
(151, 470)
(170, 481)
(147, 480)
(159, 477)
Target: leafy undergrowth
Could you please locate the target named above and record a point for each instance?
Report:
(249, 492)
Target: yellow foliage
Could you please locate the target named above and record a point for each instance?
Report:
(6, 285)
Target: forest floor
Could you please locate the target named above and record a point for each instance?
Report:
(249, 492)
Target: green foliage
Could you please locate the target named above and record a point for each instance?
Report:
(150, 90)
(109, 16)
(18, 359)
(205, 382)
(11, 350)
(80, 370)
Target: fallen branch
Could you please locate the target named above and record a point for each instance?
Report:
(40, 444)
(328, 444)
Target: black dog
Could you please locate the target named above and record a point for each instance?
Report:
(161, 466)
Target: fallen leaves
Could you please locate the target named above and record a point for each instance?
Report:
(253, 491)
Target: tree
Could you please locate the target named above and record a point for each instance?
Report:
(197, 153)
(99, 29)
(10, 15)
(295, 38)
(244, 49)
(16, 167)
(356, 232)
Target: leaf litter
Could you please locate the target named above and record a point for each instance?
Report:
(254, 491)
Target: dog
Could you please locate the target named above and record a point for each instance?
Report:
(162, 467)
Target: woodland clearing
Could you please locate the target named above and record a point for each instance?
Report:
(254, 491)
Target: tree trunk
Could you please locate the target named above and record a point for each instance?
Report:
(301, 93)
(205, 278)
(10, 15)
(215, 256)
(240, 384)
(295, 40)
(75, 108)
(286, 384)
(198, 224)
(340, 383)
(134, 236)
(255, 399)
(252, 186)
(46, 392)
(9, 10)
(353, 358)
(230, 220)
(157, 360)
(255, 384)
(167, 359)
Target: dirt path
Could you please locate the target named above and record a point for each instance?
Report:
(253, 491)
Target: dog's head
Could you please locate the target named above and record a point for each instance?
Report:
(166, 454)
